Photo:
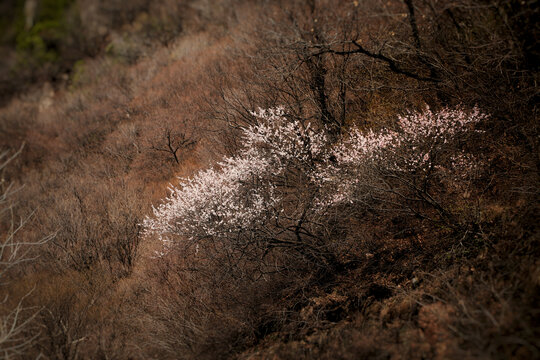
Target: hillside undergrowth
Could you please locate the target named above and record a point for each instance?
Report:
(262, 180)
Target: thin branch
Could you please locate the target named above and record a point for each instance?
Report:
(392, 64)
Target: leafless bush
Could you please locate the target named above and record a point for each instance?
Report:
(172, 142)
(475, 310)
(14, 322)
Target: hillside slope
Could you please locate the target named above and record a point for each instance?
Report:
(364, 181)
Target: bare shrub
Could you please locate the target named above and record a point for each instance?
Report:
(14, 321)
(172, 142)
(97, 228)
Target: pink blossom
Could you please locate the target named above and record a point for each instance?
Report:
(245, 191)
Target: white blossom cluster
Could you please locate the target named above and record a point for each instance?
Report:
(419, 137)
(244, 192)
(240, 193)
(285, 140)
(416, 147)
(215, 201)
(426, 134)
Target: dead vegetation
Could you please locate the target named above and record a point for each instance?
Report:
(165, 89)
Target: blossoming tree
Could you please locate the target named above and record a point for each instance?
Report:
(281, 189)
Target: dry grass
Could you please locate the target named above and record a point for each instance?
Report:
(408, 288)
